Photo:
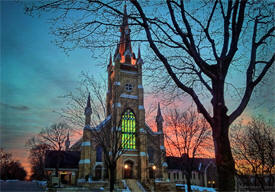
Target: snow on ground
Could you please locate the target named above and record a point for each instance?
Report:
(197, 188)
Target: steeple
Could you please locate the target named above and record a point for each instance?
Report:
(159, 119)
(110, 61)
(88, 112)
(124, 51)
(67, 142)
(139, 59)
(139, 55)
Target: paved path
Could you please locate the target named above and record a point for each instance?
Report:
(19, 186)
(132, 184)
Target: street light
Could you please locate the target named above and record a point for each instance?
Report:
(154, 172)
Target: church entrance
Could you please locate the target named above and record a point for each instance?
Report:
(128, 170)
(98, 170)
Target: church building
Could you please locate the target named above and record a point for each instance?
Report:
(144, 152)
(142, 161)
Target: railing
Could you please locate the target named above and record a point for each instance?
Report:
(140, 186)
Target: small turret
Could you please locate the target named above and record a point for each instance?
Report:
(88, 112)
(139, 55)
(139, 59)
(110, 62)
(67, 142)
(159, 120)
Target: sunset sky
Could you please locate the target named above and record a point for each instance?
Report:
(34, 73)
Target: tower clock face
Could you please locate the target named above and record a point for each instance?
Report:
(128, 87)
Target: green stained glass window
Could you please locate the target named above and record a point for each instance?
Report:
(128, 128)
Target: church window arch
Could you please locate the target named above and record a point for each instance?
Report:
(128, 129)
(98, 154)
(151, 154)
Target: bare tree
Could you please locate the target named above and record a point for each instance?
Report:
(110, 139)
(201, 46)
(188, 136)
(108, 135)
(253, 149)
(9, 168)
(76, 101)
(50, 138)
(37, 155)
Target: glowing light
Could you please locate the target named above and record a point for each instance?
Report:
(154, 167)
(128, 126)
(125, 166)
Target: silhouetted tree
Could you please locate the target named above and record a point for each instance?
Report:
(254, 150)
(188, 135)
(109, 138)
(200, 45)
(9, 168)
(37, 160)
(50, 138)
(76, 101)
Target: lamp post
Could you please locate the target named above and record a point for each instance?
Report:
(154, 175)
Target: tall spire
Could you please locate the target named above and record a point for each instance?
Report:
(67, 142)
(110, 61)
(139, 55)
(88, 105)
(88, 112)
(125, 48)
(125, 16)
(159, 119)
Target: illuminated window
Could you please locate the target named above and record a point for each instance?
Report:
(128, 128)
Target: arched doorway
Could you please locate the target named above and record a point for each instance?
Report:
(98, 171)
(128, 169)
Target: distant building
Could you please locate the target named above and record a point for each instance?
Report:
(204, 171)
(67, 164)
(256, 182)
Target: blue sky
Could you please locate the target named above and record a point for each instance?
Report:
(34, 73)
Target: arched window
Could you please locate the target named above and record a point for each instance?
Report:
(98, 154)
(151, 154)
(128, 128)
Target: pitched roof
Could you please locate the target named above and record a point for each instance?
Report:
(68, 159)
(199, 164)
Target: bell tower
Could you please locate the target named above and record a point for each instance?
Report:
(125, 94)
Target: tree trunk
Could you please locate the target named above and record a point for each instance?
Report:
(188, 179)
(112, 178)
(224, 160)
